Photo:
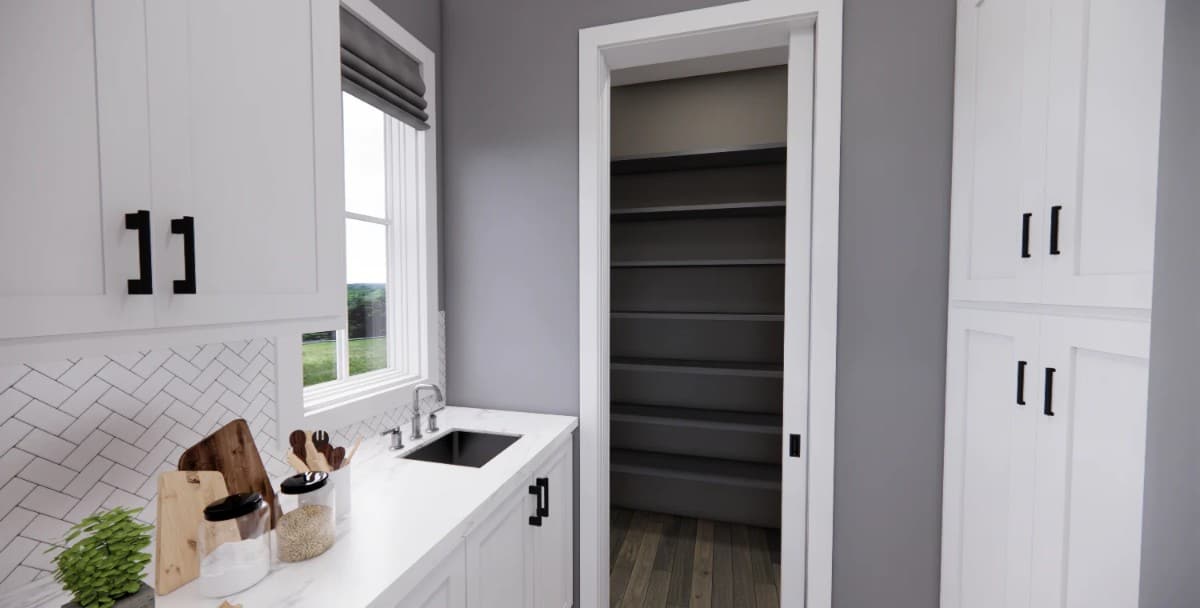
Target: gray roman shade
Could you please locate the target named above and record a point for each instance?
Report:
(378, 72)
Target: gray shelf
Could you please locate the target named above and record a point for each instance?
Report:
(698, 316)
(680, 212)
(682, 417)
(766, 154)
(696, 263)
(695, 468)
(706, 368)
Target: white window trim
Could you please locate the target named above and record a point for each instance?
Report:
(336, 404)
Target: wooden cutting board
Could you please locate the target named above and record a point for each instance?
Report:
(182, 496)
(231, 451)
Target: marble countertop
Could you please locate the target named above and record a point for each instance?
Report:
(407, 516)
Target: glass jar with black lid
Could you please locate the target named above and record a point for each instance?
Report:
(234, 544)
(307, 527)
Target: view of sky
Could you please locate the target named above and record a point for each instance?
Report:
(366, 242)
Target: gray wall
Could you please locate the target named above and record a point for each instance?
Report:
(511, 232)
(1171, 525)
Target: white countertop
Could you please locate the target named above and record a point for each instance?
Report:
(407, 515)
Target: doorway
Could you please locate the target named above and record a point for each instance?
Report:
(781, 343)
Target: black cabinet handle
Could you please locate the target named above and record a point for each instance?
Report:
(540, 489)
(1026, 218)
(144, 284)
(1048, 407)
(1021, 382)
(187, 227)
(535, 519)
(544, 484)
(1055, 211)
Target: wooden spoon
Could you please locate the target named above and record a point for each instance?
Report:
(339, 458)
(298, 439)
(314, 459)
(321, 441)
(353, 450)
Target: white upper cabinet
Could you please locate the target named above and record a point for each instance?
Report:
(73, 163)
(225, 112)
(245, 107)
(1056, 151)
(1102, 157)
(999, 143)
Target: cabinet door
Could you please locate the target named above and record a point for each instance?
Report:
(1103, 151)
(246, 137)
(999, 149)
(553, 542)
(989, 462)
(500, 557)
(1091, 463)
(445, 587)
(74, 161)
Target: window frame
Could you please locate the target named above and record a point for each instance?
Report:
(413, 319)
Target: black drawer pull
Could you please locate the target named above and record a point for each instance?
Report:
(1026, 218)
(187, 227)
(1021, 382)
(536, 518)
(1048, 407)
(544, 484)
(144, 284)
(1055, 211)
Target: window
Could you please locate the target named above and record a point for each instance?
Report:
(382, 169)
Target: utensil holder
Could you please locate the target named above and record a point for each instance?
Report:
(341, 491)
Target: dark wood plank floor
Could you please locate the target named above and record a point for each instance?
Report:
(661, 561)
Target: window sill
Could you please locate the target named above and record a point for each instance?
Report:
(355, 400)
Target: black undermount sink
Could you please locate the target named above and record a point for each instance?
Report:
(463, 448)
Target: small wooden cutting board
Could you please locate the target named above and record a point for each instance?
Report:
(231, 451)
(182, 496)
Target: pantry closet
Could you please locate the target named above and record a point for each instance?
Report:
(698, 238)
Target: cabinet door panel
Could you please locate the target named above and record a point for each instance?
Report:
(445, 587)
(1091, 463)
(989, 460)
(1103, 151)
(554, 576)
(237, 91)
(1000, 83)
(500, 557)
(74, 161)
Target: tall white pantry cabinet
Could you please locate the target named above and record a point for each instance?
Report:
(1052, 241)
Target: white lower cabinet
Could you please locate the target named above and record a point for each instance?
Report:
(1045, 443)
(445, 587)
(520, 555)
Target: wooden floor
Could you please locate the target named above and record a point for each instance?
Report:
(665, 560)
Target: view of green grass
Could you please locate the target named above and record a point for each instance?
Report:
(366, 354)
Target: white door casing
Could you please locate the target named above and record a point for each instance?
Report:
(743, 26)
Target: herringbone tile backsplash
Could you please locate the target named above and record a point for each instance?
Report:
(78, 435)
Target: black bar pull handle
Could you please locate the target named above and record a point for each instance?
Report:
(1055, 212)
(1026, 218)
(1021, 382)
(1048, 405)
(187, 227)
(794, 445)
(544, 507)
(536, 518)
(144, 284)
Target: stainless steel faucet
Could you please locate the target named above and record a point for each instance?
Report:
(416, 409)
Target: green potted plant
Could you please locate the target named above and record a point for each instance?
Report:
(104, 568)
